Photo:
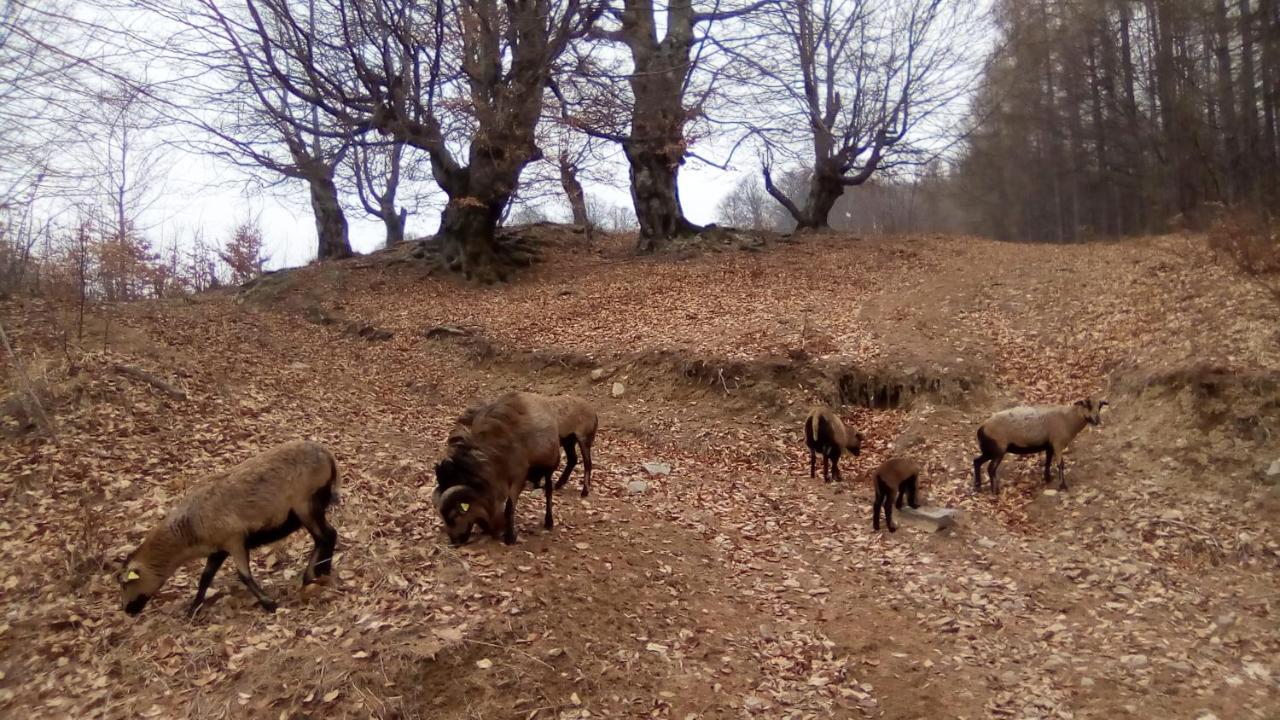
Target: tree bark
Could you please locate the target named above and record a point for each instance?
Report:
(468, 238)
(1249, 100)
(394, 223)
(656, 194)
(824, 190)
(331, 222)
(574, 192)
(655, 148)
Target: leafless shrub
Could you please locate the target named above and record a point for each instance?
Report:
(1249, 240)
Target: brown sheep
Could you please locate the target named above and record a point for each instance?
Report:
(509, 441)
(1030, 430)
(825, 434)
(576, 424)
(894, 480)
(261, 500)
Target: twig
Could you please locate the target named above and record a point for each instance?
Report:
(28, 390)
(509, 649)
(152, 380)
(1204, 533)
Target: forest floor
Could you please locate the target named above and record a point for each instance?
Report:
(734, 586)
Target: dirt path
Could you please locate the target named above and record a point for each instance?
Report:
(734, 586)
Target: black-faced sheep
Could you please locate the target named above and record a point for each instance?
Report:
(826, 435)
(895, 480)
(259, 501)
(1030, 430)
(509, 441)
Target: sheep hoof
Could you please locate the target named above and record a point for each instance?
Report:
(269, 606)
(893, 528)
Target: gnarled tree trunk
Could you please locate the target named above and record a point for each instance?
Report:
(656, 194)
(574, 192)
(331, 222)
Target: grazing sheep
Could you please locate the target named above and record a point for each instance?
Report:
(509, 442)
(261, 500)
(576, 424)
(1026, 430)
(895, 479)
(825, 434)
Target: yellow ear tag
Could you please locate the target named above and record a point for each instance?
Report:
(465, 506)
(133, 575)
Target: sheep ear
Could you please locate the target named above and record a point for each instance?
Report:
(1082, 403)
(1102, 403)
(133, 575)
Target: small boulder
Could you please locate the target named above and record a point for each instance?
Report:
(930, 518)
(618, 389)
(637, 487)
(656, 469)
(599, 374)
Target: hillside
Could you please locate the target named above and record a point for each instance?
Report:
(735, 586)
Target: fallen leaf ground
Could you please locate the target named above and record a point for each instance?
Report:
(733, 587)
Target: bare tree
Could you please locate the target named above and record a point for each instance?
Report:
(859, 80)
(245, 115)
(446, 78)
(746, 206)
(666, 95)
(376, 169)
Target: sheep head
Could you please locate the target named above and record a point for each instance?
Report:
(854, 446)
(1090, 410)
(138, 583)
(461, 509)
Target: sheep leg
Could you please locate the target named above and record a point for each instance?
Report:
(509, 517)
(813, 464)
(875, 507)
(547, 522)
(991, 473)
(325, 539)
(206, 579)
(915, 485)
(835, 468)
(586, 468)
(902, 493)
(889, 499)
(1062, 475)
(977, 472)
(1048, 464)
(240, 556)
(826, 467)
(570, 460)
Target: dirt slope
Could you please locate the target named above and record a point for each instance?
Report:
(735, 586)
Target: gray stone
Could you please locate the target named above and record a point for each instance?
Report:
(657, 468)
(930, 518)
(636, 487)
(1135, 662)
(618, 389)
(1274, 469)
(600, 374)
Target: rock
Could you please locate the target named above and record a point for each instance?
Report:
(986, 543)
(656, 468)
(1134, 662)
(636, 487)
(1271, 476)
(1225, 621)
(1086, 682)
(618, 389)
(372, 333)
(1050, 492)
(930, 518)
(600, 374)
(439, 331)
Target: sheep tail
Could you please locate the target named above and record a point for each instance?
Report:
(335, 480)
(824, 431)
